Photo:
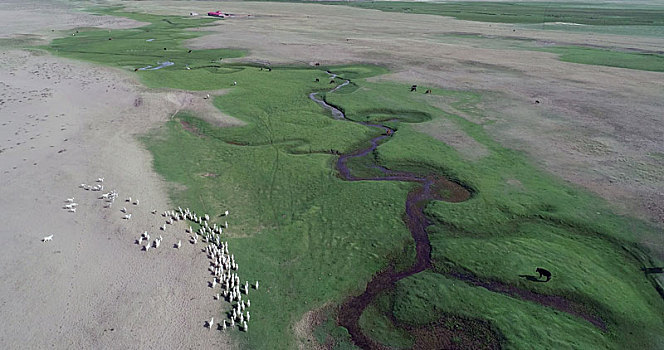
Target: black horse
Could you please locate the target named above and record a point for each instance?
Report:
(544, 272)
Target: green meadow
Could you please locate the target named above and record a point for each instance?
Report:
(612, 58)
(312, 239)
(525, 12)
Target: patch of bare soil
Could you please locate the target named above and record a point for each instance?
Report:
(304, 330)
(456, 333)
(449, 133)
(192, 129)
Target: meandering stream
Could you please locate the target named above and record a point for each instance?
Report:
(429, 188)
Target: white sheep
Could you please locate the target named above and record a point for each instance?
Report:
(248, 317)
(248, 305)
(179, 244)
(126, 217)
(70, 200)
(72, 210)
(128, 200)
(124, 210)
(136, 202)
(101, 179)
(147, 246)
(226, 213)
(47, 238)
(256, 286)
(211, 322)
(154, 211)
(163, 228)
(246, 326)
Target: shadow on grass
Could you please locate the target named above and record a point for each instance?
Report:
(649, 270)
(531, 278)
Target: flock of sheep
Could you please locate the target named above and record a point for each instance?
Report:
(223, 266)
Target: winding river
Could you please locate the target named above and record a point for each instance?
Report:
(429, 188)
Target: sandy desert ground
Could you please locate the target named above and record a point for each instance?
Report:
(63, 123)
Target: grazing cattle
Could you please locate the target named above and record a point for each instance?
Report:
(428, 91)
(47, 238)
(413, 88)
(317, 80)
(544, 272)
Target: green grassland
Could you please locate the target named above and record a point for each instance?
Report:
(312, 239)
(524, 12)
(130, 48)
(574, 54)
(520, 218)
(603, 57)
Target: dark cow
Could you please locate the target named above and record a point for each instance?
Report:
(413, 88)
(428, 91)
(317, 80)
(544, 272)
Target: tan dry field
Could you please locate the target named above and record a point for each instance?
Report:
(64, 122)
